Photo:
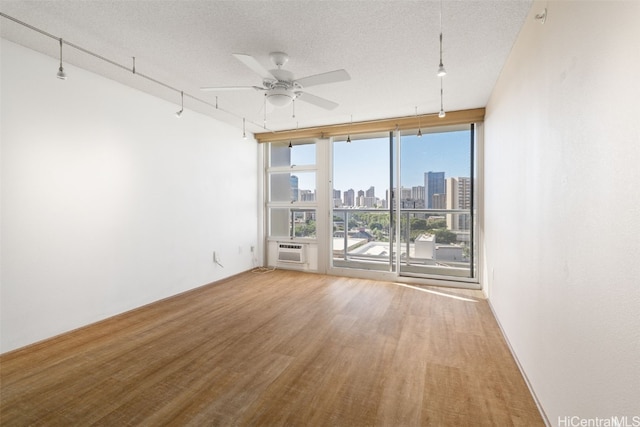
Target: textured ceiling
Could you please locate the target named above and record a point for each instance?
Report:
(390, 49)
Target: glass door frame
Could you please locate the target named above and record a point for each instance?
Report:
(394, 273)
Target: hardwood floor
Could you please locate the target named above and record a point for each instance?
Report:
(282, 348)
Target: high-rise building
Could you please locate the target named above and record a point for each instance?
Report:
(434, 184)
(307, 195)
(369, 202)
(458, 197)
(294, 187)
(439, 201)
(371, 192)
(417, 193)
(337, 198)
(360, 198)
(349, 198)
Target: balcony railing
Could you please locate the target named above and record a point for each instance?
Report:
(432, 241)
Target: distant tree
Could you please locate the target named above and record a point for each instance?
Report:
(444, 236)
(437, 224)
(419, 224)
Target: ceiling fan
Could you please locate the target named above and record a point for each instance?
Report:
(279, 85)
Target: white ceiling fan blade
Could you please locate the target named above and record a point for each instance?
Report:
(324, 78)
(228, 88)
(317, 101)
(251, 62)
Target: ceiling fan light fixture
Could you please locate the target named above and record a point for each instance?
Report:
(280, 97)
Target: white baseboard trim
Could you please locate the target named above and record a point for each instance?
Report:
(524, 375)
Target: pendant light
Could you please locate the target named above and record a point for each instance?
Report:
(441, 71)
(61, 74)
(244, 129)
(419, 129)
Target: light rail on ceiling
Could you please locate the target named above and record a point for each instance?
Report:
(132, 70)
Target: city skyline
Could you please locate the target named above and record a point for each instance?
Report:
(364, 163)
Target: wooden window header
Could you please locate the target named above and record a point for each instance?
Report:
(356, 128)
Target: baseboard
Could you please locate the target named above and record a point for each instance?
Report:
(522, 372)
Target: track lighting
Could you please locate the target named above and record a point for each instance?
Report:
(441, 114)
(441, 71)
(61, 74)
(179, 113)
(129, 66)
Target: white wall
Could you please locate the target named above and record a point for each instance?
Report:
(562, 204)
(110, 202)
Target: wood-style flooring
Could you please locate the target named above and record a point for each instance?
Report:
(282, 348)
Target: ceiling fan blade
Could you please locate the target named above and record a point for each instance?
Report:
(254, 65)
(317, 101)
(324, 78)
(228, 88)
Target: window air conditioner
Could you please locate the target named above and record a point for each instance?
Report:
(291, 252)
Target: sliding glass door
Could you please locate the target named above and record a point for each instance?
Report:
(404, 203)
(436, 207)
(362, 226)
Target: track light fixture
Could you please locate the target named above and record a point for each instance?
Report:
(129, 66)
(179, 113)
(61, 74)
(419, 127)
(441, 114)
(441, 71)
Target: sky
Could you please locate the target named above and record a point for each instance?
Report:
(365, 163)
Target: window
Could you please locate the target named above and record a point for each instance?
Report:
(292, 196)
(386, 204)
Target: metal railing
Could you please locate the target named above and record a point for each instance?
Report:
(459, 222)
